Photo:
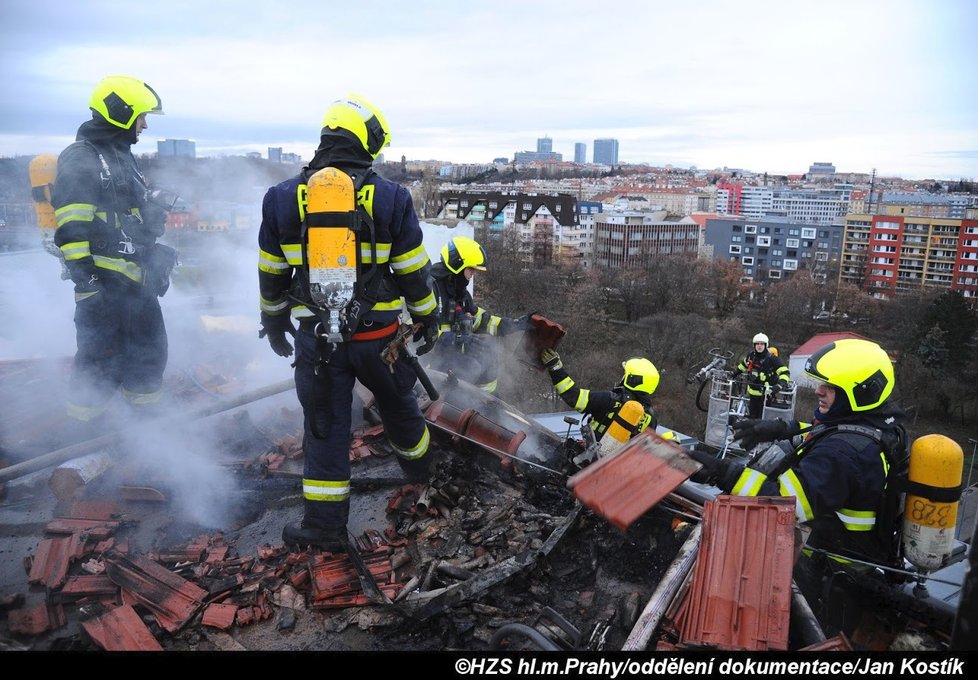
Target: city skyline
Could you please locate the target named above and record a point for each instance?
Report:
(771, 87)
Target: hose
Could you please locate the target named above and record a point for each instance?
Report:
(83, 448)
(699, 393)
(532, 634)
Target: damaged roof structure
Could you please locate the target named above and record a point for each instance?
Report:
(509, 546)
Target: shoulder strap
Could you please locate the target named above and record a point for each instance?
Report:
(110, 183)
(368, 283)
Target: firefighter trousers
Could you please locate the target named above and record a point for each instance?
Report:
(122, 343)
(327, 398)
(476, 360)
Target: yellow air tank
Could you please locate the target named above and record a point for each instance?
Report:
(331, 247)
(931, 507)
(622, 427)
(42, 170)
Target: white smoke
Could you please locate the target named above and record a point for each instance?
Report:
(215, 354)
(36, 307)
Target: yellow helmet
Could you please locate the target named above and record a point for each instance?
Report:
(122, 99)
(462, 252)
(356, 116)
(860, 368)
(641, 375)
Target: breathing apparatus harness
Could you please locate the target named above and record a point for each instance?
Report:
(893, 444)
(333, 282)
(157, 259)
(339, 316)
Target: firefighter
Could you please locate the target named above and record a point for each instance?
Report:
(326, 366)
(463, 347)
(107, 231)
(638, 382)
(764, 370)
(838, 468)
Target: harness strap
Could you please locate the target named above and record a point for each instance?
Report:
(377, 333)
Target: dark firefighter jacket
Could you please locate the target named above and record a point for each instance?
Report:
(106, 228)
(400, 254)
(455, 304)
(762, 369)
(601, 406)
(838, 477)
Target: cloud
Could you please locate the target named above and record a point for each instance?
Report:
(470, 82)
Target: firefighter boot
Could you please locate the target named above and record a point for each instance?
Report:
(417, 471)
(308, 533)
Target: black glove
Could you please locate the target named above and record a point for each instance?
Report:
(775, 388)
(720, 472)
(751, 432)
(550, 359)
(84, 276)
(157, 267)
(429, 332)
(88, 288)
(712, 467)
(274, 328)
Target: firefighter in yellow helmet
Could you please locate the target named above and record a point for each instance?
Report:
(764, 372)
(842, 470)
(639, 380)
(392, 264)
(463, 346)
(107, 230)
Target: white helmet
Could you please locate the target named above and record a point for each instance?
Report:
(760, 337)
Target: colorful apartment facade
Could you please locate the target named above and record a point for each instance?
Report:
(889, 254)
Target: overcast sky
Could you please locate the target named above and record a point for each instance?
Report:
(762, 85)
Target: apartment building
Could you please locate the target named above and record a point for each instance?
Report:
(770, 249)
(578, 242)
(539, 220)
(813, 206)
(954, 206)
(630, 238)
(889, 253)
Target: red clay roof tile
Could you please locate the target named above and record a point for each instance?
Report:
(623, 486)
(740, 594)
(121, 630)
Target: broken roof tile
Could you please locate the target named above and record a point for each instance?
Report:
(623, 486)
(171, 598)
(89, 586)
(121, 630)
(36, 620)
(96, 529)
(218, 615)
(546, 334)
(49, 565)
(335, 582)
(93, 510)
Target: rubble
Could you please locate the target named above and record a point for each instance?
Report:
(507, 547)
(461, 556)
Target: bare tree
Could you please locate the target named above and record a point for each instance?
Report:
(723, 282)
(428, 197)
(787, 312)
(856, 303)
